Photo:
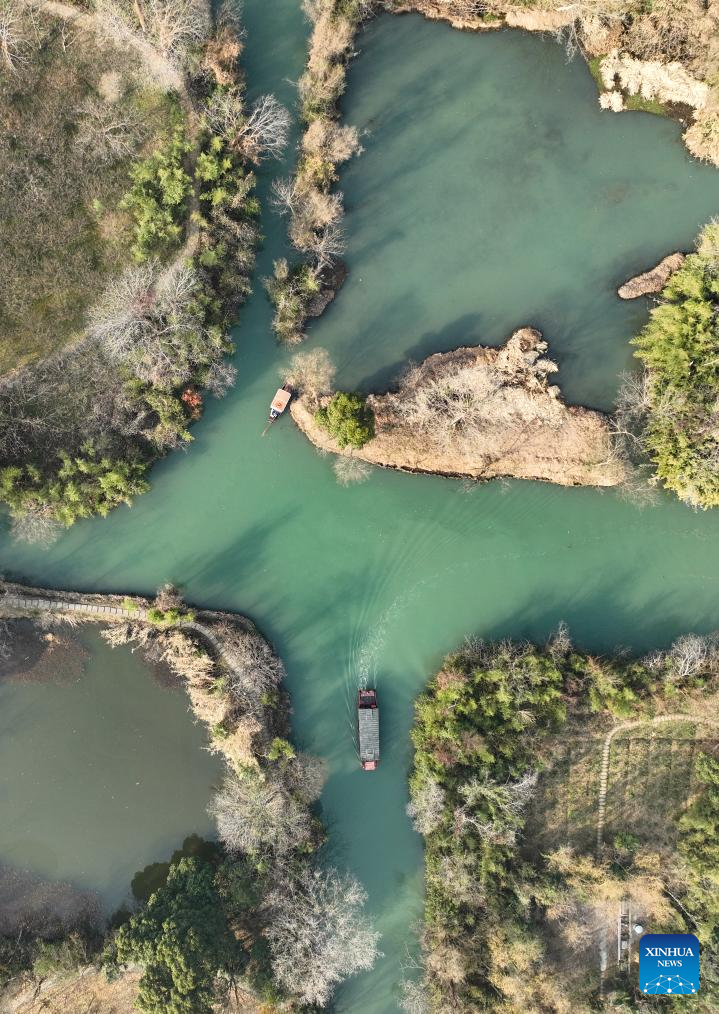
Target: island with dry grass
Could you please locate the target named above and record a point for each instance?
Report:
(478, 413)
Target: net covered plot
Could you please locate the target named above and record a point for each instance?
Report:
(650, 780)
(650, 783)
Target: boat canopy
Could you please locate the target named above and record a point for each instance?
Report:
(280, 400)
(368, 720)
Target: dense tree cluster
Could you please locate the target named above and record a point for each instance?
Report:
(348, 419)
(505, 925)
(671, 412)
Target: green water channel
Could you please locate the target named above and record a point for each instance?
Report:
(492, 193)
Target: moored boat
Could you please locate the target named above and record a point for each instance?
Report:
(368, 728)
(280, 401)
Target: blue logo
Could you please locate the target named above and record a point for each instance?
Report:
(669, 964)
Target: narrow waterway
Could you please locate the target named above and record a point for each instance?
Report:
(492, 193)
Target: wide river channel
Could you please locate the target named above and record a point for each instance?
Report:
(492, 193)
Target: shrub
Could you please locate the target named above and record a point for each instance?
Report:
(83, 485)
(157, 197)
(291, 292)
(58, 956)
(348, 419)
(280, 750)
(169, 617)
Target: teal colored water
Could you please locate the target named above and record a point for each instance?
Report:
(492, 193)
(102, 771)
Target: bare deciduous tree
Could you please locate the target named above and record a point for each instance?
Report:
(331, 140)
(285, 196)
(491, 810)
(691, 655)
(267, 129)
(220, 378)
(426, 807)
(317, 933)
(415, 997)
(326, 245)
(458, 872)
(312, 373)
(350, 470)
(12, 36)
(175, 25)
(36, 526)
(105, 134)
(306, 775)
(149, 320)
(261, 132)
(225, 112)
(61, 403)
(258, 816)
(560, 643)
(255, 669)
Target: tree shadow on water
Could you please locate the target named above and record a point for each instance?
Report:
(465, 330)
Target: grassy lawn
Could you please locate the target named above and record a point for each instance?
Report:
(642, 105)
(650, 781)
(565, 808)
(73, 116)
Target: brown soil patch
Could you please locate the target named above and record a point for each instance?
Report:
(88, 992)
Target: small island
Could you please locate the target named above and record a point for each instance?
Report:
(650, 282)
(479, 413)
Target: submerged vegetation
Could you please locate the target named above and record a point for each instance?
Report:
(153, 260)
(505, 789)
(669, 412)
